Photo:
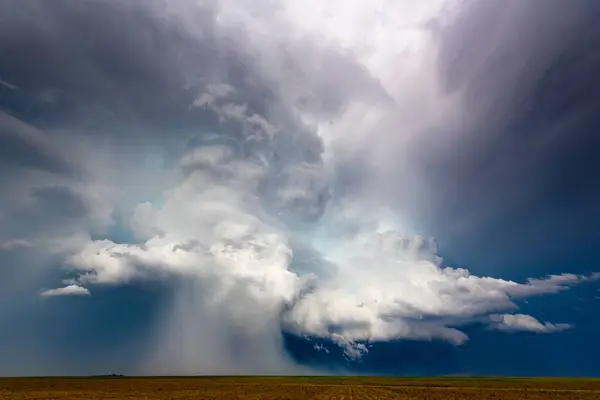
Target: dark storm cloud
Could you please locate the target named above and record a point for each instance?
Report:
(110, 55)
(22, 144)
(128, 73)
(113, 76)
(139, 62)
(110, 66)
(60, 200)
(523, 165)
(324, 96)
(496, 51)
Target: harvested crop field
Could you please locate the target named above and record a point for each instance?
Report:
(297, 388)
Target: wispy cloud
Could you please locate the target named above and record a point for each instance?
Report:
(524, 323)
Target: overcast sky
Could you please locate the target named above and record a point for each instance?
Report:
(222, 186)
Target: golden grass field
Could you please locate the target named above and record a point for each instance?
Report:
(346, 388)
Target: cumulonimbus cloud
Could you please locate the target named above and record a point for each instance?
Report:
(290, 141)
(215, 226)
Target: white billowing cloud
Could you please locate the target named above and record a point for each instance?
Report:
(393, 286)
(69, 290)
(524, 323)
(213, 230)
(210, 226)
(352, 349)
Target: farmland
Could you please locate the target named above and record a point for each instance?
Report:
(325, 388)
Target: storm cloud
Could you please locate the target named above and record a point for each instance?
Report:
(280, 167)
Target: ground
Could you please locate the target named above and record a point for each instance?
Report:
(325, 388)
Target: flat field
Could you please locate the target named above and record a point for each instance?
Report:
(325, 388)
